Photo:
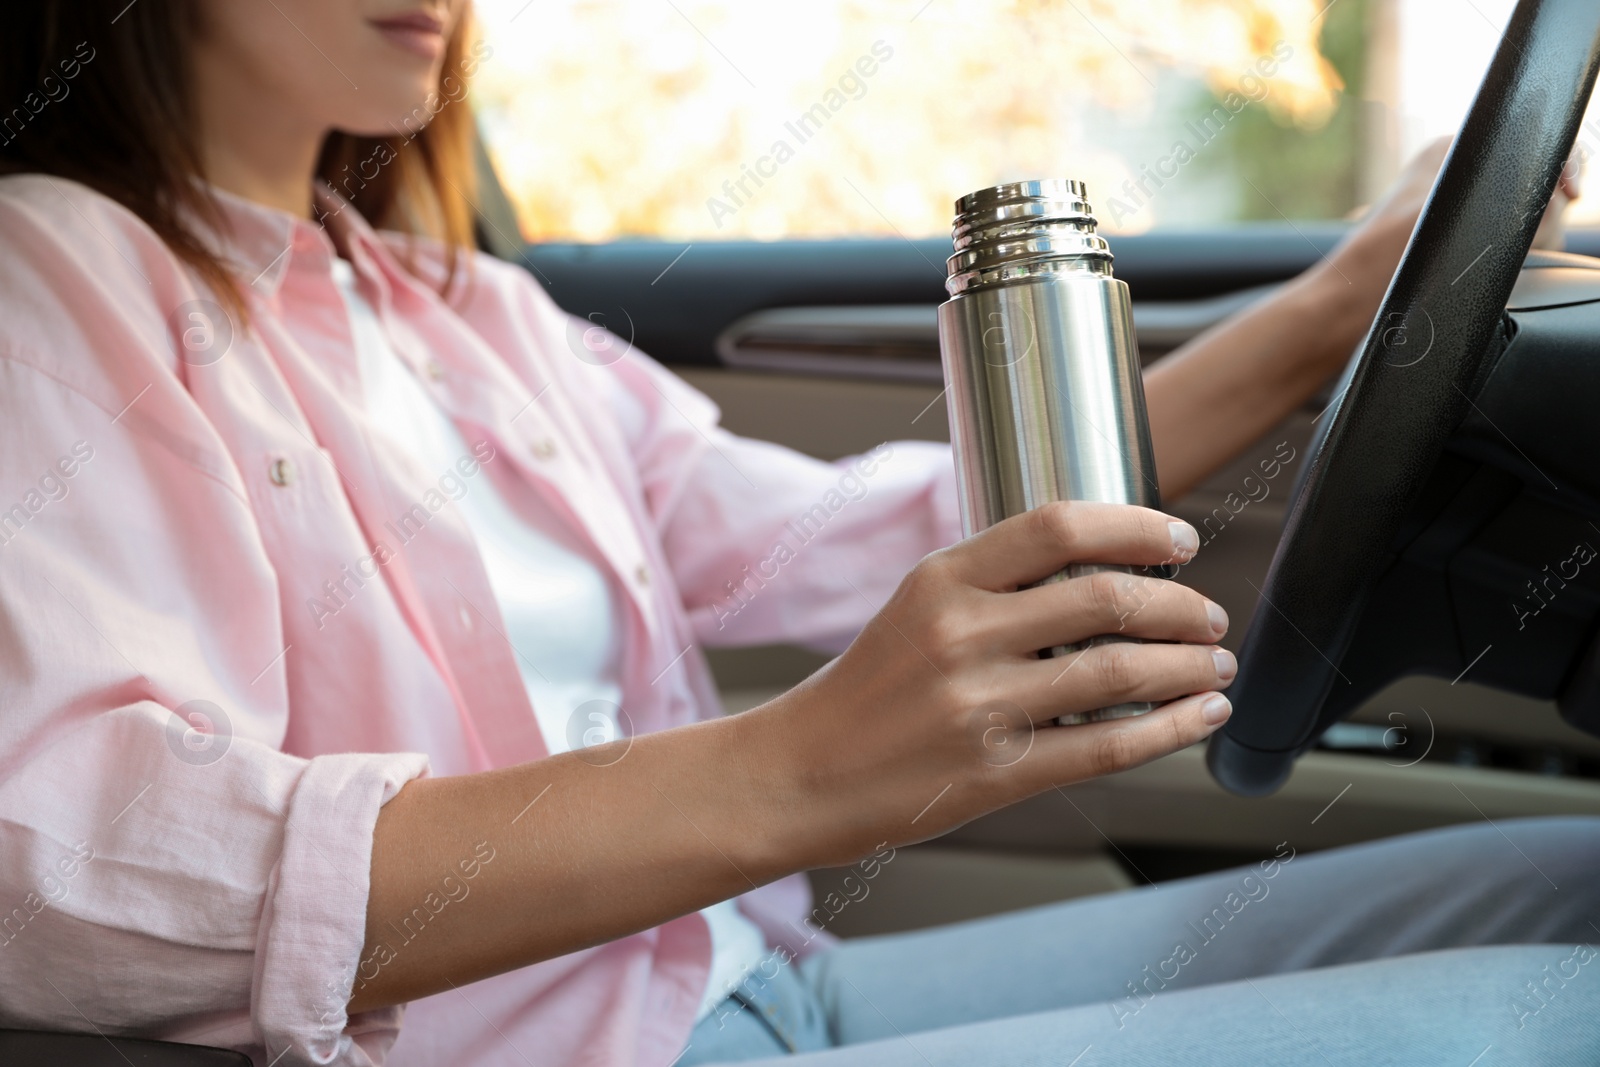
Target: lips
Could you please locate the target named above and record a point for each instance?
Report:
(418, 32)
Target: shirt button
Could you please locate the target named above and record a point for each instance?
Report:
(545, 449)
(642, 574)
(281, 471)
(434, 369)
(466, 617)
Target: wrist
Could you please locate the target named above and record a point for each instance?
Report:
(1337, 299)
(810, 811)
(1363, 264)
(783, 826)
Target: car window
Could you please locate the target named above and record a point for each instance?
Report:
(707, 119)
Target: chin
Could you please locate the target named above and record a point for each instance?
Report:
(404, 119)
(392, 102)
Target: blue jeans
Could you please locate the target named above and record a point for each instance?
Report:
(1471, 946)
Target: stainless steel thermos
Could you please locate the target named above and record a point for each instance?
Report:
(1045, 396)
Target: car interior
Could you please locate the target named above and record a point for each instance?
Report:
(1417, 623)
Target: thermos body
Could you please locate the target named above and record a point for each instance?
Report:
(1042, 368)
(1045, 397)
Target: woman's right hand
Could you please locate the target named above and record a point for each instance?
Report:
(941, 710)
(935, 715)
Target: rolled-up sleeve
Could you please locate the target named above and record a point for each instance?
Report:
(768, 544)
(164, 868)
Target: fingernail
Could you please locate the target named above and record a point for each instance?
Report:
(1215, 709)
(1226, 665)
(1185, 541)
(1218, 618)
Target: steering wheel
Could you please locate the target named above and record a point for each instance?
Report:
(1393, 414)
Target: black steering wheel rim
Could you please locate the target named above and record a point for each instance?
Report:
(1395, 411)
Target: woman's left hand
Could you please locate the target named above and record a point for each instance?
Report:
(1373, 250)
(1211, 399)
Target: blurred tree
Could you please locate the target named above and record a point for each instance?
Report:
(689, 119)
(1305, 170)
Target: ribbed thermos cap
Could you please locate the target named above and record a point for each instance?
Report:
(1019, 230)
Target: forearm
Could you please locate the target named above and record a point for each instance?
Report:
(579, 853)
(1219, 393)
(1216, 395)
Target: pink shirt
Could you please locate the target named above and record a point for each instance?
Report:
(232, 625)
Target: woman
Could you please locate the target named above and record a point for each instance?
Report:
(327, 554)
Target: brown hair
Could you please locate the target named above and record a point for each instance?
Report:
(98, 91)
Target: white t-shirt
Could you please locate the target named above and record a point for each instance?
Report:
(557, 608)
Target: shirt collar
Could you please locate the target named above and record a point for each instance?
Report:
(262, 244)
